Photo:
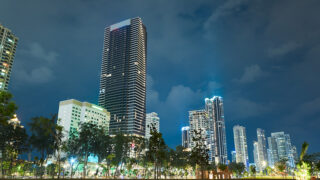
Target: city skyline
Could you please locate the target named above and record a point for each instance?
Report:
(66, 63)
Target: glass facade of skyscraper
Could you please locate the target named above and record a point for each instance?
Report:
(240, 143)
(281, 148)
(123, 76)
(217, 129)
(262, 148)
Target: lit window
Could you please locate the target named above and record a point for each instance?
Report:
(10, 40)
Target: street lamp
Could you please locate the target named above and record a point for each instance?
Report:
(72, 160)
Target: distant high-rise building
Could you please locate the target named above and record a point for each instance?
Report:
(72, 113)
(256, 155)
(281, 148)
(262, 148)
(185, 132)
(295, 153)
(270, 160)
(8, 45)
(152, 119)
(217, 130)
(240, 143)
(123, 76)
(198, 121)
(273, 151)
(233, 156)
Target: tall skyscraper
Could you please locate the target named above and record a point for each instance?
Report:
(123, 76)
(72, 113)
(217, 130)
(152, 119)
(240, 143)
(8, 45)
(185, 133)
(262, 148)
(281, 148)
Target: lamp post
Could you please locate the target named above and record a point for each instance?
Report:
(72, 160)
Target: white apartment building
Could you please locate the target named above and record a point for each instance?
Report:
(73, 112)
(152, 119)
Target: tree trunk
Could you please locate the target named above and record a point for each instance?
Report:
(71, 170)
(59, 164)
(1, 161)
(41, 164)
(85, 166)
(155, 171)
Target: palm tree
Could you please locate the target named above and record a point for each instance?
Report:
(84, 142)
(156, 150)
(121, 149)
(102, 146)
(304, 149)
(42, 138)
(58, 145)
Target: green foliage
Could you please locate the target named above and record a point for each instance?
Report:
(304, 149)
(43, 135)
(253, 170)
(303, 171)
(121, 148)
(83, 143)
(156, 150)
(52, 170)
(237, 168)
(179, 158)
(281, 165)
(7, 107)
(222, 167)
(13, 138)
(102, 146)
(199, 154)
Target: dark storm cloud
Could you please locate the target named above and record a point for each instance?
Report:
(261, 56)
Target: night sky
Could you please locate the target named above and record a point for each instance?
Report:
(262, 57)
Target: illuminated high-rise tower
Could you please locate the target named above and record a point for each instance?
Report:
(217, 129)
(240, 143)
(262, 149)
(123, 76)
(8, 45)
